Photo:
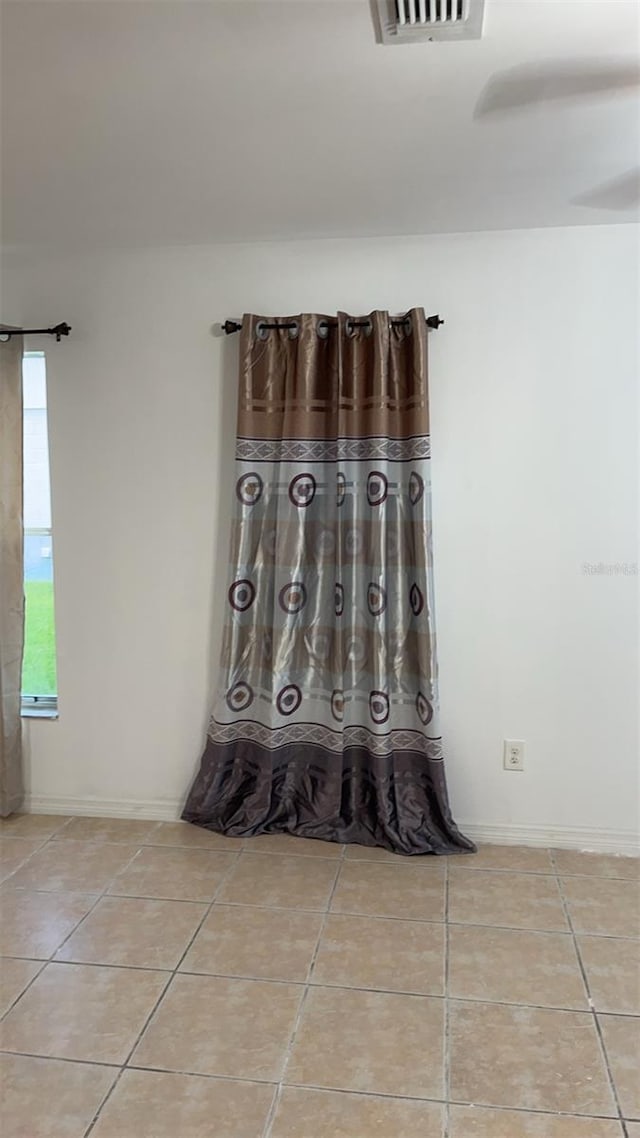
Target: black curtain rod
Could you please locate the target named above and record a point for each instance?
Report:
(230, 326)
(58, 330)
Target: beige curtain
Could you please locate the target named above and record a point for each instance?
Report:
(11, 575)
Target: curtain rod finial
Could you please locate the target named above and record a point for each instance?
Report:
(58, 331)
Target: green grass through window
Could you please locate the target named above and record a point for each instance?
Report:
(39, 665)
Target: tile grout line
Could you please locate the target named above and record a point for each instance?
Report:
(339, 912)
(603, 1051)
(16, 868)
(379, 991)
(52, 958)
(336, 912)
(43, 965)
(60, 1059)
(59, 835)
(268, 1126)
(43, 842)
(313, 984)
(170, 978)
(312, 1086)
(525, 1110)
(447, 1024)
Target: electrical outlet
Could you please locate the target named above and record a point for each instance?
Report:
(513, 757)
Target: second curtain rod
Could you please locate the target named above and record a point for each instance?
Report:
(230, 326)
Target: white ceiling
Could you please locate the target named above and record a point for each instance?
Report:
(174, 121)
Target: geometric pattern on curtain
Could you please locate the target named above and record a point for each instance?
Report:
(325, 723)
(11, 576)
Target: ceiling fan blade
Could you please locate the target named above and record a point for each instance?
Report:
(621, 193)
(530, 83)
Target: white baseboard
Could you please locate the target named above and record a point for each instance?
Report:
(167, 810)
(154, 809)
(558, 837)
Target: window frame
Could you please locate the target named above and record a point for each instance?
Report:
(39, 706)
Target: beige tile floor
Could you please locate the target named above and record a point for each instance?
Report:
(158, 981)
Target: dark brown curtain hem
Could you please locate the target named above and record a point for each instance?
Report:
(399, 803)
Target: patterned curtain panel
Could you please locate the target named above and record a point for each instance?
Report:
(326, 721)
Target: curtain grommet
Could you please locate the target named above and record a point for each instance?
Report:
(261, 330)
(293, 330)
(322, 329)
(407, 324)
(367, 326)
(349, 328)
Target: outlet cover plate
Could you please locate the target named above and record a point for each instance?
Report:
(513, 755)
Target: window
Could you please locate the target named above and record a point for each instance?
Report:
(39, 682)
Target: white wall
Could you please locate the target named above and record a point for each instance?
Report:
(533, 389)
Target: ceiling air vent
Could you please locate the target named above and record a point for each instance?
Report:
(417, 21)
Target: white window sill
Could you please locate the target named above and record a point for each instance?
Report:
(47, 710)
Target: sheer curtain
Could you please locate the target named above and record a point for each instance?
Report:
(11, 575)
